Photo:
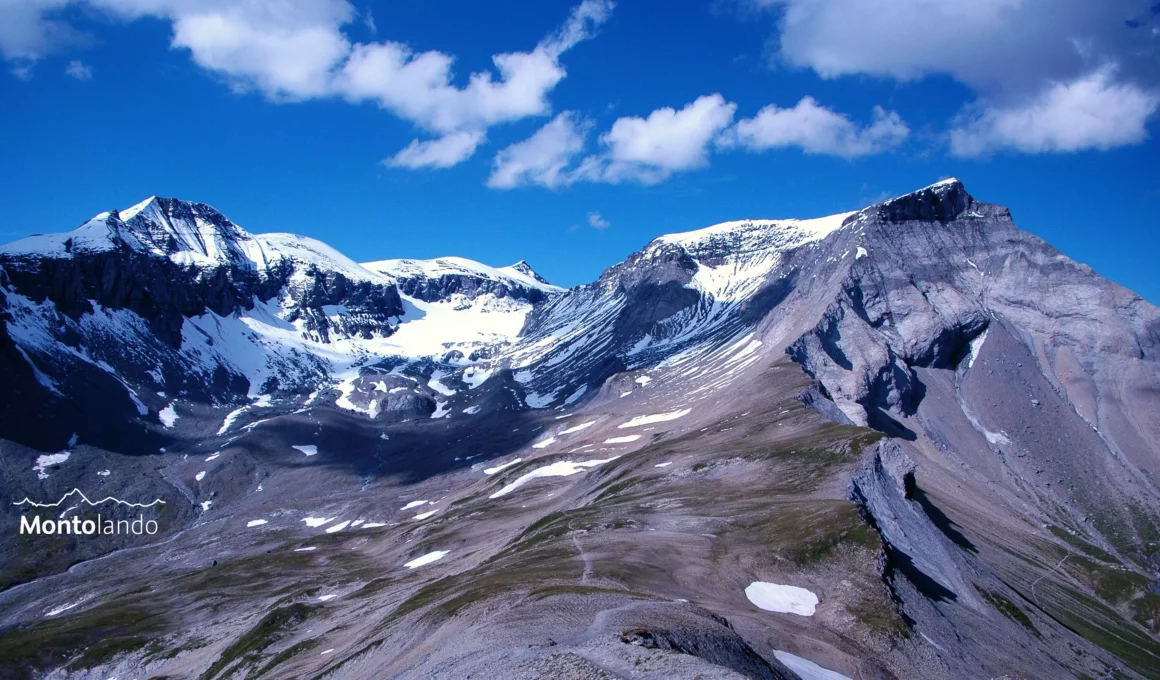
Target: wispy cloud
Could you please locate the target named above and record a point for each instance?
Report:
(597, 222)
(79, 70)
(543, 159)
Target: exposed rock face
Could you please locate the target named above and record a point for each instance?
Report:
(166, 260)
(915, 546)
(367, 307)
(445, 285)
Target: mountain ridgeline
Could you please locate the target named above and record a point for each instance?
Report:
(941, 428)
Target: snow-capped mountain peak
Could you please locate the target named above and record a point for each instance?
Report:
(744, 237)
(187, 233)
(517, 276)
(523, 270)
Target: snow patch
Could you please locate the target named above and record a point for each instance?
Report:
(535, 400)
(502, 466)
(560, 469)
(435, 384)
(47, 461)
(64, 607)
(316, 522)
(168, 416)
(622, 440)
(976, 345)
(806, 669)
(775, 597)
(658, 418)
(426, 559)
(577, 428)
(308, 449)
(255, 523)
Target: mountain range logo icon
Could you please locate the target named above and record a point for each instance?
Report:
(85, 499)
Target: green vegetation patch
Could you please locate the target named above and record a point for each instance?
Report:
(1008, 609)
(80, 641)
(273, 627)
(1081, 545)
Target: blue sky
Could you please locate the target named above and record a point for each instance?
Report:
(361, 123)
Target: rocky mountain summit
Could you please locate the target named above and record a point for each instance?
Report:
(907, 441)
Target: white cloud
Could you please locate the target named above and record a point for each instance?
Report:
(284, 50)
(297, 49)
(597, 222)
(646, 150)
(649, 150)
(816, 130)
(1038, 67)
(444, 152)
(417, 87)
(990, 45)
(542, 158)
(79, 70)
(1090, 112)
